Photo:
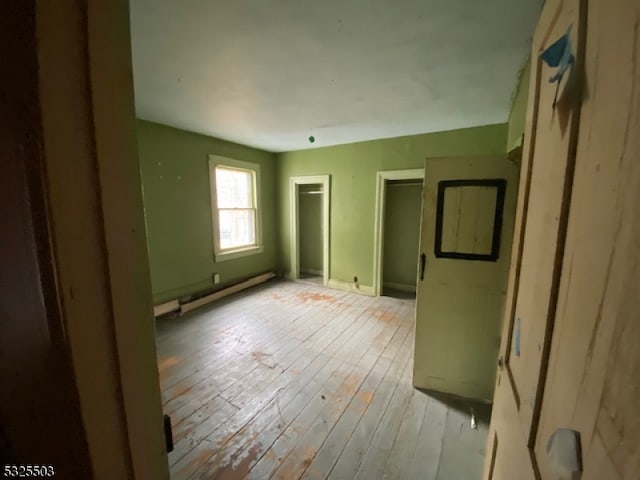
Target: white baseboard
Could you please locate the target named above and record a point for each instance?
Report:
(350, 287)
(186, 307)
(166, 307)
(400, 287)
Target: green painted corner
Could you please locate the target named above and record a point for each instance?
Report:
(353, 170)
(175, 182)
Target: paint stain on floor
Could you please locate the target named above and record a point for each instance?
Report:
(167, 362)
(314, 297)
(381, 314)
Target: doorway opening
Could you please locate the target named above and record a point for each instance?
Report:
(310, 229)
(310, 237)
(397, 232)
(401, 237)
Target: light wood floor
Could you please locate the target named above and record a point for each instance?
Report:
(291, 380)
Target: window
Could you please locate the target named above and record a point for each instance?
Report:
(234, 200)
(469, 219)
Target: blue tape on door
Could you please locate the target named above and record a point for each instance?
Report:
(559, 55)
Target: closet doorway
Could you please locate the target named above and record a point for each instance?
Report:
(402, 209)
(397, 232)
(310, 229)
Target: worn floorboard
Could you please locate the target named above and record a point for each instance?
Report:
(291, 380)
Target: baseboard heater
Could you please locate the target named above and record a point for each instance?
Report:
(177, 306)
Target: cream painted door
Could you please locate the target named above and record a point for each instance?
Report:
(538, 248)
(461, 294)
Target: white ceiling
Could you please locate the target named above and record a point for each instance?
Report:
(270, 73)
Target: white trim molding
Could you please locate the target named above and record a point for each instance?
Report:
(166, 307)
(187, 307)
(294, 185)
(378, 231)
(219, 254)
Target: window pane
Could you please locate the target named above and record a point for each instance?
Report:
(237, 228)
(234, 188)
(468, 219)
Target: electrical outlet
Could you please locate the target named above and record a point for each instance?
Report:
(216, 278)
(355, 282)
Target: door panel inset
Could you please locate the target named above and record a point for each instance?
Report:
(469, 219)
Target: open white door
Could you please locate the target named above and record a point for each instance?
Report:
(467, 224)
(538, 249)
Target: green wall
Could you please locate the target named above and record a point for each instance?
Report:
(518, 115)
(353, 170)
(401, 234)
(175, 181)
(310, 218)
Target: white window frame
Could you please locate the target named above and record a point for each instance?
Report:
(221, 255)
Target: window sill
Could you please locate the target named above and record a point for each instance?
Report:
(238, 253)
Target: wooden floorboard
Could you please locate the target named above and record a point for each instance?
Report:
(291, 380)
